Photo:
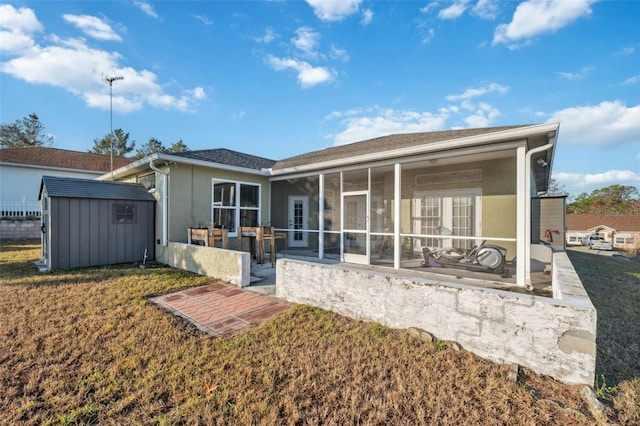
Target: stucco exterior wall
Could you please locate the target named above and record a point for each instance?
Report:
(228, 265)
(190, 194)
(550, 336)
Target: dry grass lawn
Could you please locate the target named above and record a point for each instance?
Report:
(85, 347)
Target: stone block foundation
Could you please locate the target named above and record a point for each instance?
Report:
(551, 336)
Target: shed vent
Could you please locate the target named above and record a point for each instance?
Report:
(462, 176)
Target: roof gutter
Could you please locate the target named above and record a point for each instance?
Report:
(165, 201)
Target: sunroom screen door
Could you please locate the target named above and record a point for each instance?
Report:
(355, 226)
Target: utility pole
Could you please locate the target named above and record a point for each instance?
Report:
(110, 80)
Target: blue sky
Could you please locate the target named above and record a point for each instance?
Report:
(280, 78)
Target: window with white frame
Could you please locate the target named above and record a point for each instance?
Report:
(623, 239)
(456, 213)
(235, 204)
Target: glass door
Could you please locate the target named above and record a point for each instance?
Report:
(355, 227)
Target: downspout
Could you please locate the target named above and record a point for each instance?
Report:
(527, 245)
(165, 201)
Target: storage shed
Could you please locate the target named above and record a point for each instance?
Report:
(87, 222)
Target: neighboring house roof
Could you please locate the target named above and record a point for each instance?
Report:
(227, 157)
(66, 187)
(585, 222)
(384, 143)
(62, 158)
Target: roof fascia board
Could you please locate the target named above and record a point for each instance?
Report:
(143, 164)
(62, 169)
(487, 138)
(412, 159)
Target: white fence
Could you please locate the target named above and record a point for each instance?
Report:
(19, 209)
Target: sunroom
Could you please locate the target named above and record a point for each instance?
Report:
(382, 202)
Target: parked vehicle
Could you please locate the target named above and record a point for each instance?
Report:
(600, 244)
(586, 240)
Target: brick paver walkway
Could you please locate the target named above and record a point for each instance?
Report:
(220, 309)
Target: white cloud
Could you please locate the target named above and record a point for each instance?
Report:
(483, 116)
(534, 17)
(486, 9)
(22, 20)
(146, 8)
(17, 27)
(73, 65)
(624, 51)
(632, 80)
(197, 93)
(306, 40)
(367, 17)
(454, 11)
(334, 10)
(475, 92)
(366, 123)
(363, 124)
(205, 20)
(92, 26)
(268, 37)
(308, 76)
(587, 182)
(582, 73)
(340, 54)
(605, 124)
(238, 115)
(428, 36)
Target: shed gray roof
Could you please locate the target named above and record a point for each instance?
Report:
(228, 157)
(67, 187)
(382, 144)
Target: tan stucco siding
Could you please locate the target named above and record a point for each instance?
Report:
(190, 197)
(499, 203)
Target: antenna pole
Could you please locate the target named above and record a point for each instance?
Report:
(110, 80)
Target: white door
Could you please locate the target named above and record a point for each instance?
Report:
(298, 221)
(355, 227)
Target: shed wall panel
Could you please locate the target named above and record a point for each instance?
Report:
(84, 232)
(63, 233)
(103, 234)
(74, 232)
(94, 233)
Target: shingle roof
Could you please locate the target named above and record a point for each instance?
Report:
(621, 223)
(384, 143)
(62, 158)
(66, 187)
(228, 157)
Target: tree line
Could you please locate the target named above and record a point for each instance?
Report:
(29, 132)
